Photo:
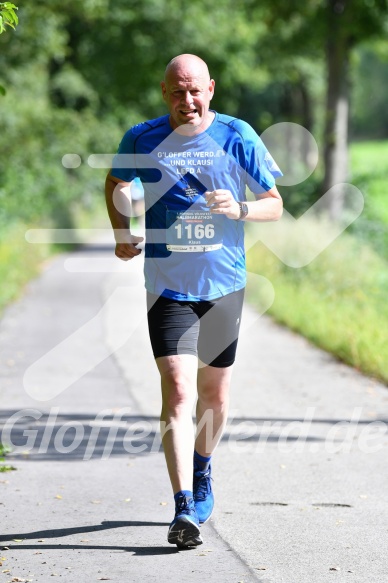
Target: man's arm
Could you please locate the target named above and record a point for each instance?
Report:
(268, 207)
(125, 242)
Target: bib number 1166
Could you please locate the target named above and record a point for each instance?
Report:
(194, 231)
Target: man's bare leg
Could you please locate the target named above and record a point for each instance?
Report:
(212, 411)
(212, 407)
(179, 388)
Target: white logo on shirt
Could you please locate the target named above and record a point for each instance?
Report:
(271, 162)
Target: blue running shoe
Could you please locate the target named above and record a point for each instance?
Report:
(202, 493)
(184, 529)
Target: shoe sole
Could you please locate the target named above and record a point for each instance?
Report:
(204, 521)
(184, 533)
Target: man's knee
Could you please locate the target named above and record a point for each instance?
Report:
(213, 387)
(214, 400)
(176, 395)
(178, 389)
(178, 377)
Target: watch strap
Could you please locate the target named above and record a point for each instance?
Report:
(243, 211)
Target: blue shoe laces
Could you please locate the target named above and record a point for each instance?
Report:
(184, 505)
(202, 484)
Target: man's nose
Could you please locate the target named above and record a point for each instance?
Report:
(187, 97)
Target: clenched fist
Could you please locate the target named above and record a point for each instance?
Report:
(222, 202)
(128, 250)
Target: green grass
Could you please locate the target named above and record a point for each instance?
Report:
(338, 301)
(19, 262)
(369, 172)
(368, 158)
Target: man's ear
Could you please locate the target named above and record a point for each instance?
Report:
(164, 90)
(212, 85)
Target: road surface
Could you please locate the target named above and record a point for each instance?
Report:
(300, 476)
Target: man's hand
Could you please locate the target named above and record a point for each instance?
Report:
(128, 250)
(221, 202)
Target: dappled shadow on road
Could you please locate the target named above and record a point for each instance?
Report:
(61, 532)
(40, 435)
(35, 435)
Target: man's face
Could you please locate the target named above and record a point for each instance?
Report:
(187, 94)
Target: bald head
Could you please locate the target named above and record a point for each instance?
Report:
(187, 65)
(187, 90)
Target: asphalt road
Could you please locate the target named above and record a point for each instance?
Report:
(300, 476)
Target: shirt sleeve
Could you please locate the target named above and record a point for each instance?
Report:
(122, 167)
(261, 168)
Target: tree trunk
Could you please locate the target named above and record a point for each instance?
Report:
(307, 112)
(337, 110)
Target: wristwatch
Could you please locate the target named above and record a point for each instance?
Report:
(243, 211)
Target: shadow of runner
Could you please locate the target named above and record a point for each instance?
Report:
(139, 551)
(58, 532)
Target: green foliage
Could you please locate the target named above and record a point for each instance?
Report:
(292, 22)
(3, 452)
(4, 449)
(37, 132)
(141, 36)
(8, 16)
(71, 92)
(74, 92)
(35, 185)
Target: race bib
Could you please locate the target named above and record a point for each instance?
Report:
(193, 231)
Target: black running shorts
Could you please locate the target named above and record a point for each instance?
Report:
(207, 329)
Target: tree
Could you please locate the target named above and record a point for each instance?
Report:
(329, 30)
(348, 23)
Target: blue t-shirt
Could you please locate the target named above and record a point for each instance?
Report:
(191, 254)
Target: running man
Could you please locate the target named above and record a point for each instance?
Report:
(195, 165)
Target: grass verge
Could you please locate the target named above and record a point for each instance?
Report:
(19, 262)
(369, 165)
(338, 301)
